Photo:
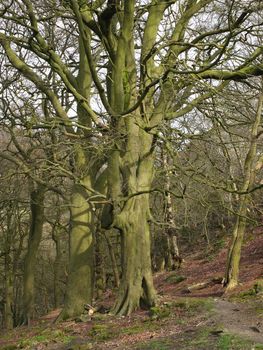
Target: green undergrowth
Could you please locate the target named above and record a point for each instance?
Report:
(104, 332)
(208, 338)
(194, 335)
(185, 306)
(201, 337)
(229, 342)
(105, 329)
(176, 312)
(44, 337)
(194, 304)
(252, 293)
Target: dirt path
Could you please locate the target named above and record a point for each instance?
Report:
(240, 318)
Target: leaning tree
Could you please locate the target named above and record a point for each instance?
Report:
(128, 67)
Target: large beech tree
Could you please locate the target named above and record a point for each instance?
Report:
(138, 64)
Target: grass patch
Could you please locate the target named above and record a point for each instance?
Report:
(198, 340)
(229, 342)
(203, 339)
(160, 312)
(47, 336)
(194, 304)
(189, 305)
(102, 332)
(141, 327)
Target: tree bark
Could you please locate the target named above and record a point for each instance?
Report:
(80, 285)
(136, 287)
(113, 260)
(58, 271)
(8, 292)
(173, 257)
(100, 272)
(35, 235)
(234, 253)
(79, 289)
(8, 297)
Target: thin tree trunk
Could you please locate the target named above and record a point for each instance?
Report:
(35, 234)
(8, 300)
(173, 258)
(58, 271)
(100, 265)
(8, 293)
(234, 253)
(113, 261)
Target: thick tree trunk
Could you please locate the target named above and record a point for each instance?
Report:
(79, 289)
(136, 287)
(35, 234)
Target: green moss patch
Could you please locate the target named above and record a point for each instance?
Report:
(159, 312)
(102, 332)
(174, 278)
(45, 337)
(256, 290)
(194, 304)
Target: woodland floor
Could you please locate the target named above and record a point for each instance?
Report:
(202, 319)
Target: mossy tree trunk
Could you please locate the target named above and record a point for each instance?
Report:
(136, 286)
(80, 284)
(35, 235)
(250, 167)
(79, 289)
(131, 160)
(234, 253)
(131, 218)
